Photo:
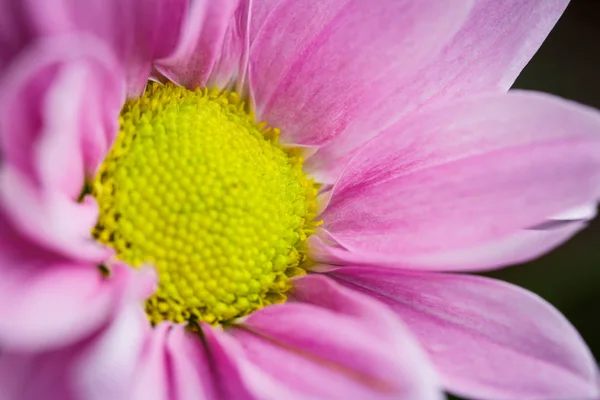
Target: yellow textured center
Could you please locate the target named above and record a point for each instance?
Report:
(195, 187)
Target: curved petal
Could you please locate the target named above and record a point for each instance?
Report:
(235, 377)
(171, 363)
(127, 359)
(98, 366)
(191, 374)
(60, 104)
(138, 31)
(59, 112)
(523, 246)
(153, 370)
(488, 52)
(105, 366)
(50, 219)
(180, 365)
(341, 345)
(51, 303)
(315, 68)
(488, 339)
(464, 176)
(211, 45)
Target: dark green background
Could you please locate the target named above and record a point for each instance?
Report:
(568, 65)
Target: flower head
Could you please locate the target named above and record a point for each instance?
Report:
(224, 245)
(263, 199)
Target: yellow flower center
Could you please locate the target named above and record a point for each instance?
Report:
(193, 186)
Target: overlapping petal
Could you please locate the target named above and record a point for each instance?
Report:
(49, 302)
(488, 52)
(96, 366)
(176, 364)
(51, 290)
(60, 104)
(315, 68)
(464, 176)
(487, 339)
(524, 245)
(58, 116)
(211, 48)
(107, 363)
(265, 356)
(333, 344)
(471, 185)
(138, 31)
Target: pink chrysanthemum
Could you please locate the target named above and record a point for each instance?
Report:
(276, 215)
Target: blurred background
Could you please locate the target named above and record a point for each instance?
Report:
(568, 65)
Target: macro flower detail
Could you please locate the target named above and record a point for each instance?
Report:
(271, 199)
(223, 247)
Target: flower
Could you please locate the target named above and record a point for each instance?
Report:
(395, 112)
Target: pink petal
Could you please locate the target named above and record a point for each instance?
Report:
(59, 112)
(48, 303)
(487, 54)
(126, 359)
(192, 369)
(35, 376)
(180, 365)
(14, 31)
(97, 367)
(488, 339)
(211, 45)
(234, 377)
(316, 68)
(525, 245)
(138, 31)
(50, 219)
(343, 345)
(151, 372)
(106, 365)
(464, 176)
(60, 104)
(47, 306)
